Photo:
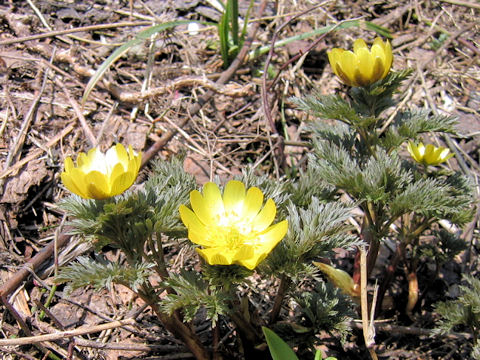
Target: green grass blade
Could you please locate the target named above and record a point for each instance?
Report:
(264, 49)
(245, 24)
(233, 6)
(141, 36)
(279, 349)
(380, 30)
(223, 37)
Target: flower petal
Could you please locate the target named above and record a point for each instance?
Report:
(414, 151)
(70, 184)
(358, 45)
(69, 165)
(267, 241)
(270, 238)
(377, 70)
(197, 232)
(243, 253)
(333, 57)
(202, 209)
(265, 217)
(78, 178)
(252, 204)
(365, 64)
(97, 185)
(388, 58)
(430, 156)
(213, 197)
(348, 64)
(121, 182)
(215, 256)
(233, 197)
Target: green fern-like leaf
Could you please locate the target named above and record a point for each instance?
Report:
(313, 232)
(445, 247)
(372, 101)
(192, 293)
(101, 273)
(325, 308)
(411, 124)
(463, 312)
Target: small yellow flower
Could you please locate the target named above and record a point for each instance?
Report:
(233, 229)
(100, 176)
(362, 67)
(341, 279)
(428, 155)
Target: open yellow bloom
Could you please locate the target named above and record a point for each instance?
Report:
(362, 67)
(428, 155)
(233, 229)
(100, 176)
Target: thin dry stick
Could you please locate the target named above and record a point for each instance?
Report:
(74, 30)
(127, 346)
(20, 139)
(12, 283)
(36, 153)
(86, 128)
(66, 334)
(463, 3)
(195, 108)
(44, 22)
(368, 328)
(136, 97)
(412, 330)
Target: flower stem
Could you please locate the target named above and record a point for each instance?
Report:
(173, 324)
(277, 304)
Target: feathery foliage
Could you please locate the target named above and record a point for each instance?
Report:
(101, 273)
(445, 248)
(462, 312)
(192, 293)
(324, 308)
(313, 232)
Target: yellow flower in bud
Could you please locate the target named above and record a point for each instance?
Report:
(100, 176)
(428, 155)
(233, 228)
(341, 279)
(363, 66)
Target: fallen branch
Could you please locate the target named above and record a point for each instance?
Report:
(137, 97)
(66, 334)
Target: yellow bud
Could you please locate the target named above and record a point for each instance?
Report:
(362, 66)
(341, 279)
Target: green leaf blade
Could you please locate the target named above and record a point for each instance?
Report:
(279, 349)
(142, 36)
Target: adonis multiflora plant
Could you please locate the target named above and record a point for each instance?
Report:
(383, 165)
(249, 226)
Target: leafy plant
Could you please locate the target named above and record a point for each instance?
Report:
(463, 312)
(229, 33)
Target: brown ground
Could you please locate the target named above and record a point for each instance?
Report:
(41, 122)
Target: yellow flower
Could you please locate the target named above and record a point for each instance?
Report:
(428, 155)
(362, 67)
(100, 176)
(341, 279)
(233, 229)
